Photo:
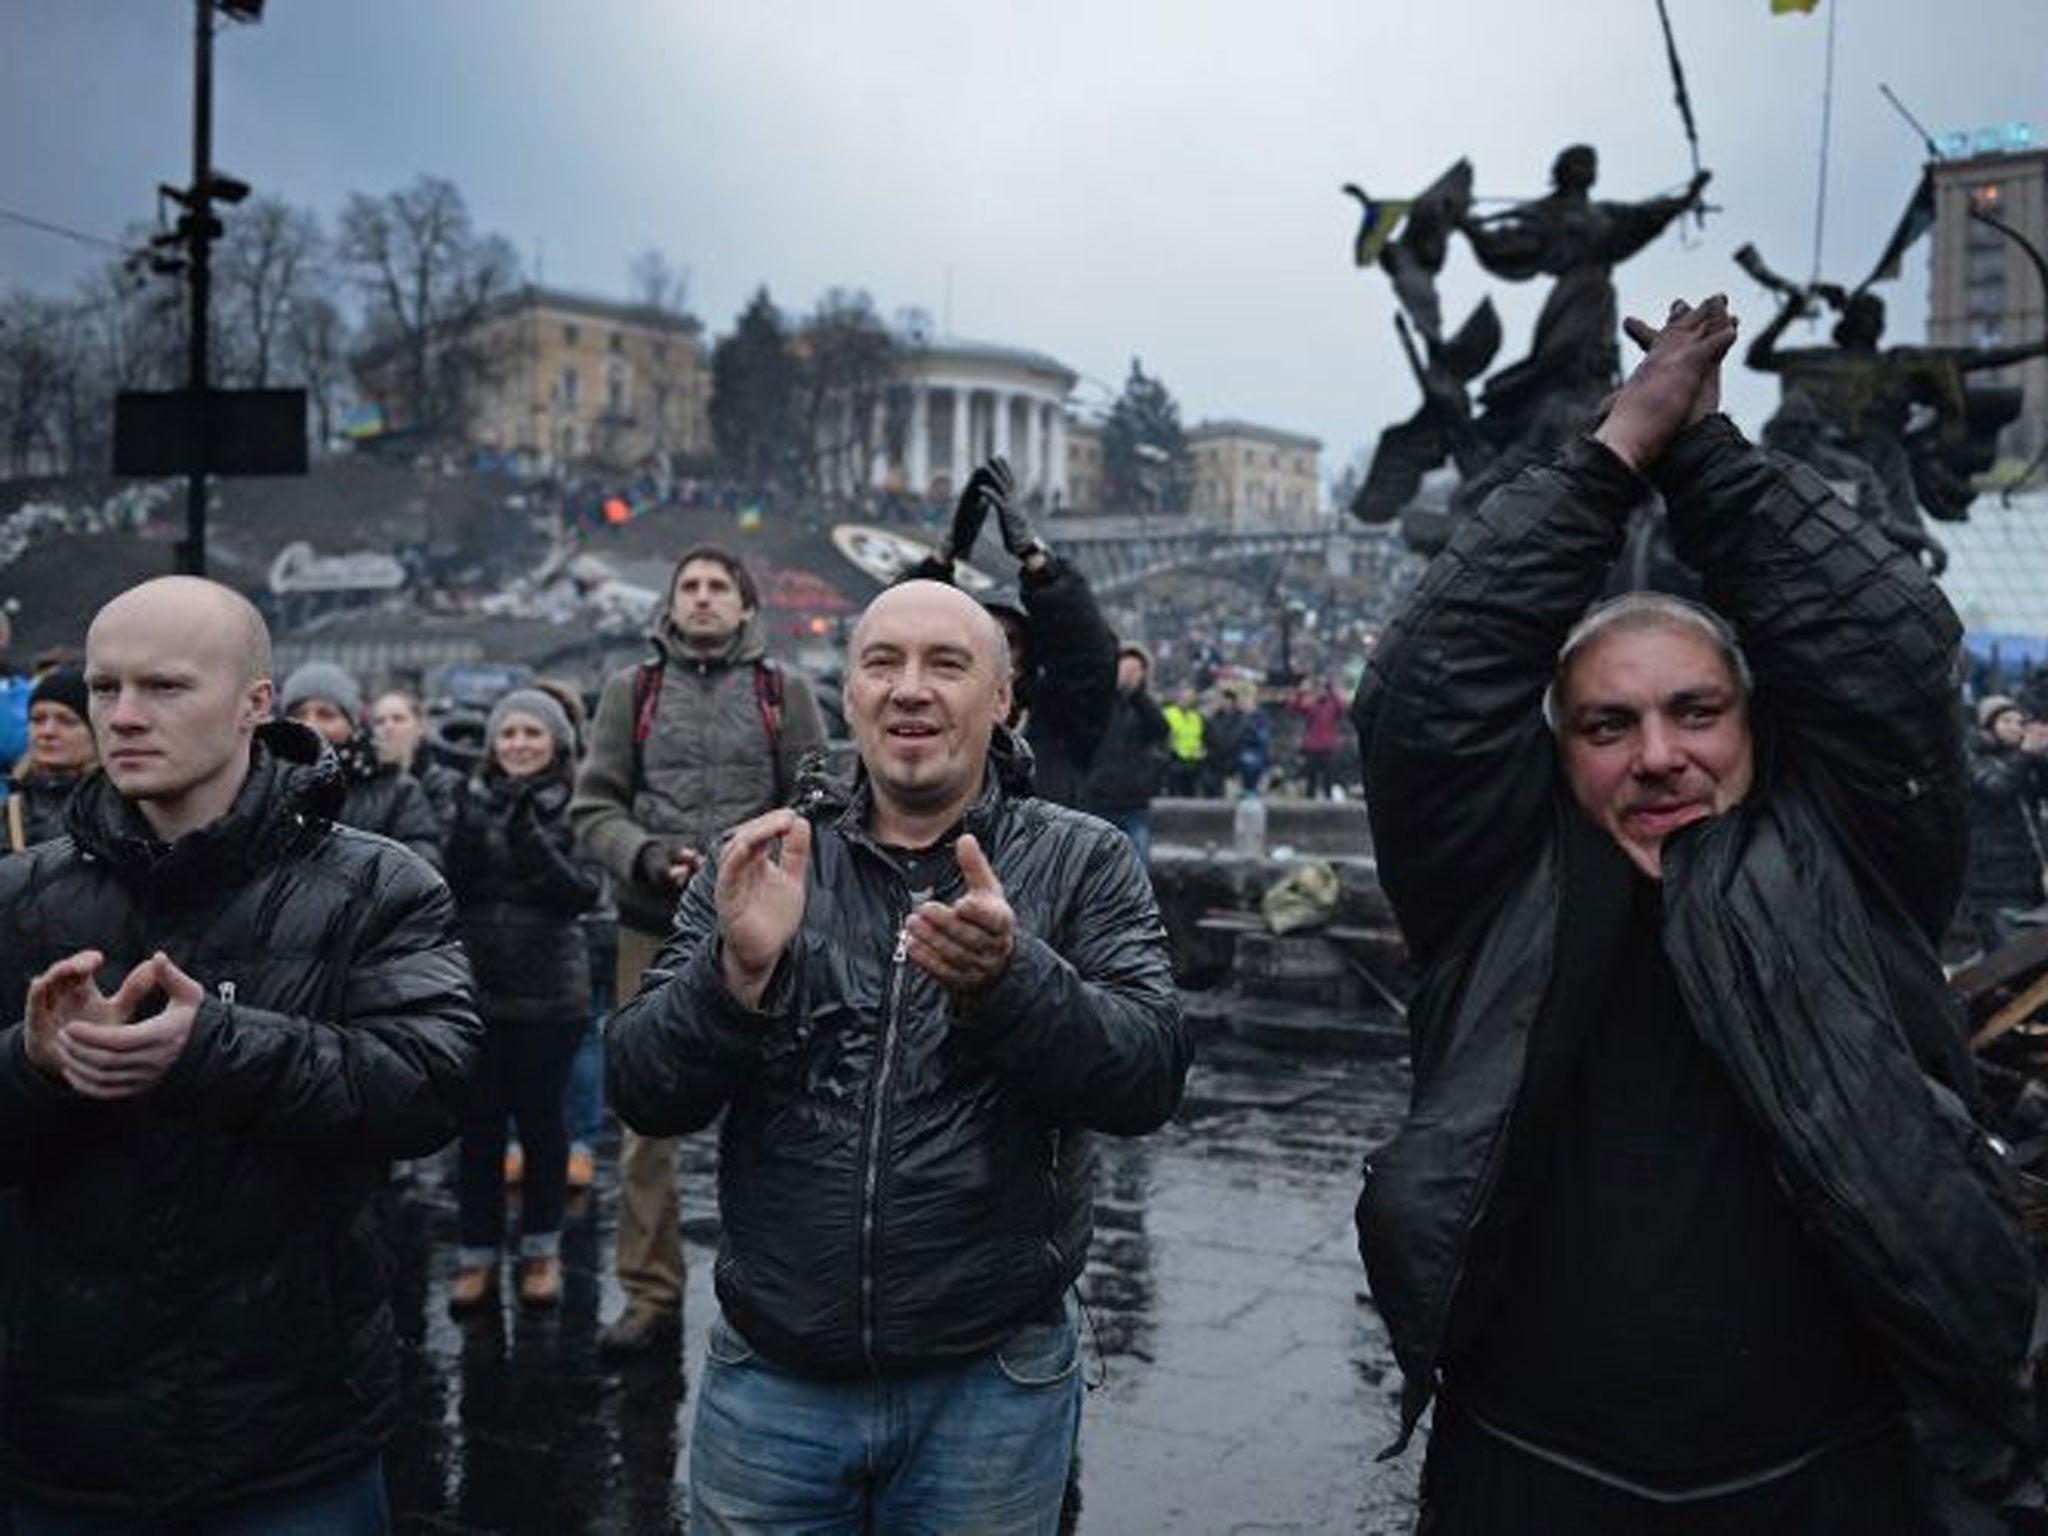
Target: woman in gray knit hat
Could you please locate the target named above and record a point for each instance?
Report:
(519, 894)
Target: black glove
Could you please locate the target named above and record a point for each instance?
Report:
(1019, 537)
(988, 486)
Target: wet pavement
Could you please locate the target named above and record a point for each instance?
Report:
(1245, 1385)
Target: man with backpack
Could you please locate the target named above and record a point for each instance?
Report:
(705, 733)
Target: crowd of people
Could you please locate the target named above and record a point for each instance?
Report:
(1693, 1226)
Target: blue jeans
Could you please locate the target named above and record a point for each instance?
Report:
(354, 1506)
(983, 1447)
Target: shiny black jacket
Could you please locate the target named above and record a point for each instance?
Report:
(199, 1305)
(905, 1179)
(383, 798)
(1801, 925)
(519, 894)
(43, 798)
(2007, 787)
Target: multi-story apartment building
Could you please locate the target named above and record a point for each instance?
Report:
(564, 378)
(1983, 291)
(1253, 479)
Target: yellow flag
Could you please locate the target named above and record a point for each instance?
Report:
(1790, 7)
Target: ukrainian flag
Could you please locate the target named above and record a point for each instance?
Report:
(1381, 221)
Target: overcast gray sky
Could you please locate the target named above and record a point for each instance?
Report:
(1097, 180)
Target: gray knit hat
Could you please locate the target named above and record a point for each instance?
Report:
(542, 707)
(322, 680)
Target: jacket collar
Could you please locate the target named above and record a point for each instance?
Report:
(294, 783)
(845, 802)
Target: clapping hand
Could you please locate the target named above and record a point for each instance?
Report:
(965, 947)
(760, 898)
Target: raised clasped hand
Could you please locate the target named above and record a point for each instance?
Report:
(964, 946)
(94, 1043)
(1677, 383)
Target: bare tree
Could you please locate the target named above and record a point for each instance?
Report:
(427, 279)
(849, 364)
(271, 260)
(316, 350)
(661, 290)
(38, 362)
(658, 284)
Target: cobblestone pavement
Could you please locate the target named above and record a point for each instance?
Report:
(1245, 1384)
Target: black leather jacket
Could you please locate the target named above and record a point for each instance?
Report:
(198, 1303)
(520, 894)
(905, 1180)
(1801, 925)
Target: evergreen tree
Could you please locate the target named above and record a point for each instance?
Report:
(1145, 463)
(754, 385)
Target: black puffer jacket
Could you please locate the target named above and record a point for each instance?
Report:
(1130, 764)
(383, 798)
(2006, 788)
(1801, 925)
(519, 894)
(199, 1303)
(905, 1182)
(42, 798)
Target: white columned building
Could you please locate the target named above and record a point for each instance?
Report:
(918, 437)
(938, 456)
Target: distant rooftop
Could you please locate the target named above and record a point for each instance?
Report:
(619, 311)
(1232, 428)
(966, 349)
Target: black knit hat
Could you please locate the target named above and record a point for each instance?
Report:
(66, 686)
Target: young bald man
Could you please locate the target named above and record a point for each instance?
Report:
(233, 1013)
(1690, 1228)
(913, 1001)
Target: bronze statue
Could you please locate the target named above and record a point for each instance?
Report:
(1526, 410)
(1902, 425)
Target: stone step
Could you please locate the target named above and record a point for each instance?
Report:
(1366, 1031)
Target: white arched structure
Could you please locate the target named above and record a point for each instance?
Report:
(968, 399)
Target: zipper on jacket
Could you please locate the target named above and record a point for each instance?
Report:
(871, 1183)
(227, 992)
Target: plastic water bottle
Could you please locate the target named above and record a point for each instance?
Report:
(1248, 825)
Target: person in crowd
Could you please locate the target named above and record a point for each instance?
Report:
(233, 1012)
(584, 1097)
(1221, 728)
(585, 1109)
(706, 733)
(1130, 763)
(1690, 1226)
(1240, 743)
(2008, 789)
(1184, 736)
(398, 731)
(1062, 653)
(912, 1000)
(60, 755)
(1324, 715)
(520, 894)
(380, 796)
